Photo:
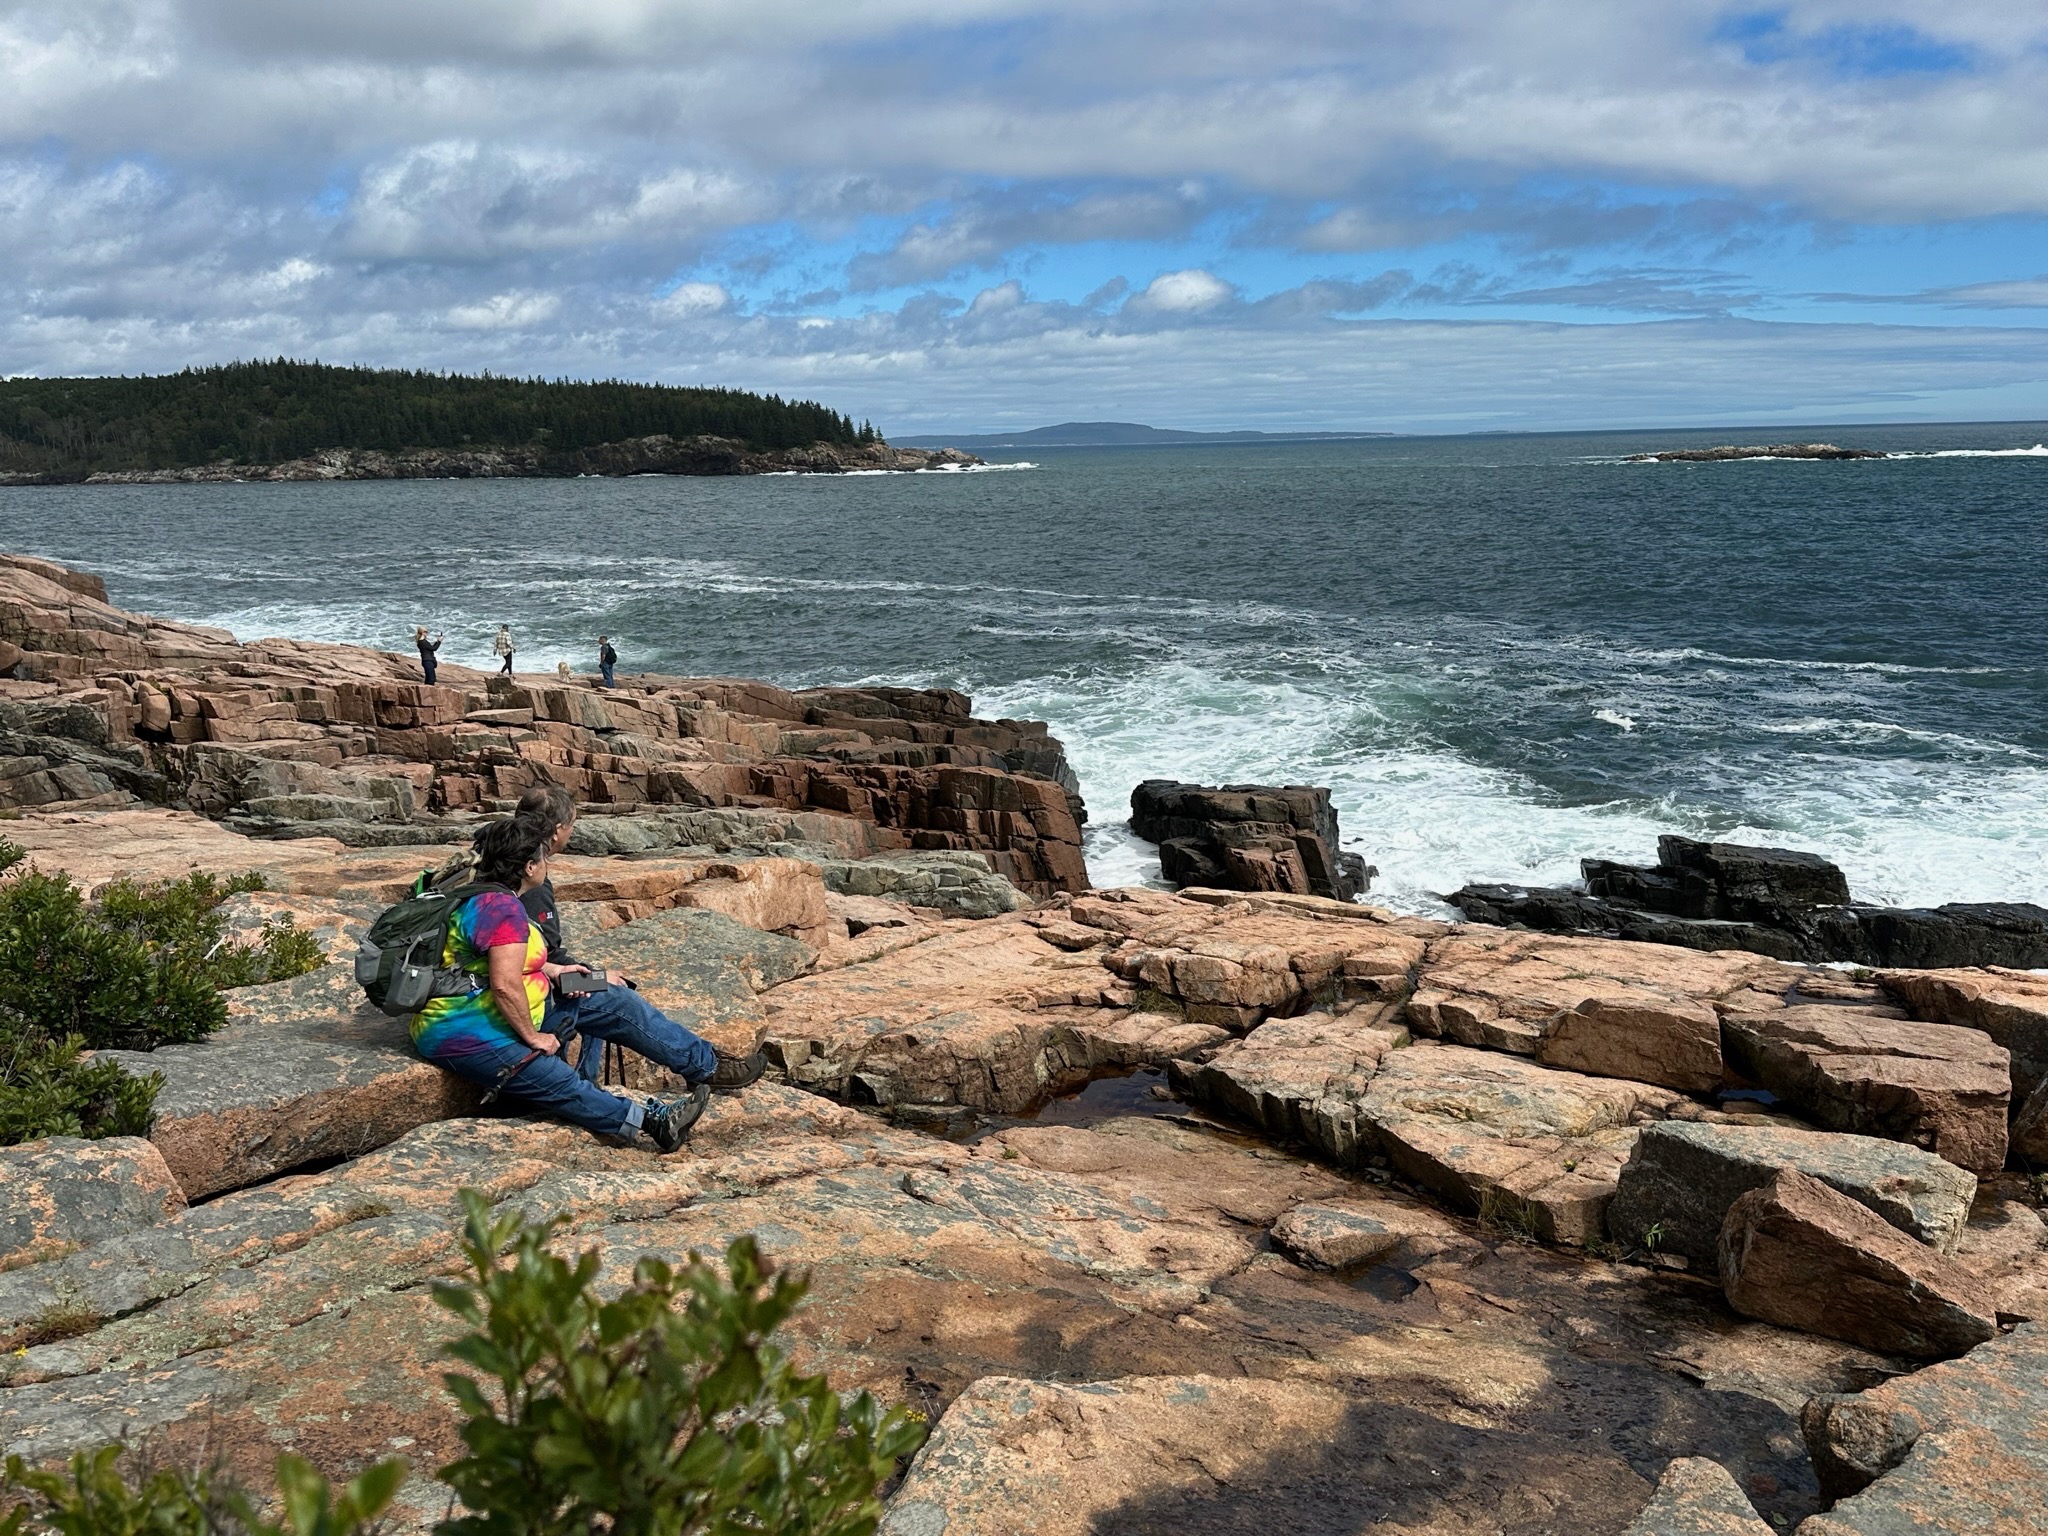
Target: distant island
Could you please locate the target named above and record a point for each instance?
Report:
(1117, 434)
(287, 420)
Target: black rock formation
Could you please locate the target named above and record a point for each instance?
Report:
(1248, 837)
(1772, 901)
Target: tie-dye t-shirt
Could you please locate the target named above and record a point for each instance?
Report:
(460, 1026)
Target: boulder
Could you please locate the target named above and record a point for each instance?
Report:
(1937, 1086)
(1248, 837)
(1682, 1177)
(1297, 1079)
(1957, 1449)
(1324, 1236)
(1697, 1497)
(64, 1192)
(1795, 1253)
(1675, 1043)
(957, 882)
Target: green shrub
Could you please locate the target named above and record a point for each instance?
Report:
(664, 1412)
(47, 1089)
(94, 1498)
(138, 967)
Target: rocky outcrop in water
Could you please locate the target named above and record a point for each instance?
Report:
(1756, 451)
(1248, 837)
(1772, 901)
(659, 455)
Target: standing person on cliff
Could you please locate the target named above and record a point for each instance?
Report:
(428, 660)
(502, 646)
(607, 658)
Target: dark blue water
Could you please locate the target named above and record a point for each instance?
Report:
(1502, 652)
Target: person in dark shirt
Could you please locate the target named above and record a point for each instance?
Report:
(428, 661)
(607, 658)
(551, 809)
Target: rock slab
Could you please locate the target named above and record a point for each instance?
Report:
(1957, 1449)
(1936, 1086)
(1698, 1497)
(1248, 837)
(63, 1192)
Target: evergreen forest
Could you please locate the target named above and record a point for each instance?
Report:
(267, 412)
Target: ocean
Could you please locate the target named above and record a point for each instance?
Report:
(1502, 653)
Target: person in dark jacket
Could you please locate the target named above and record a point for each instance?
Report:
(607, 658)
(428, 660)
(551, 810)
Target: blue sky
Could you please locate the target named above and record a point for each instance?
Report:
(993, 213)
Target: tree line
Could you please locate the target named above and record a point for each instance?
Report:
(266, 412)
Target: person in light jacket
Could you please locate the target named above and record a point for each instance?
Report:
(502, 646)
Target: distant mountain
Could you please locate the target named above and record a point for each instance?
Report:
(1113, 434)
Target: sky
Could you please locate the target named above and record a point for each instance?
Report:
(984, 214)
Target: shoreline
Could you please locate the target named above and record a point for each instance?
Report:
(656, 455)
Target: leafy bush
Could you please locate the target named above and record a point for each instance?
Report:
(46, 1089)
(664, 1412)
(95, 1499)
(140, 966)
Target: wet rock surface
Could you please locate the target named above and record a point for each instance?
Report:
(1772, 901)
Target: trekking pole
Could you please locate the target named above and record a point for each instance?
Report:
(519, 1066)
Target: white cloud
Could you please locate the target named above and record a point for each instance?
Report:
(506, 312)
(1184, 293)
(687, 300)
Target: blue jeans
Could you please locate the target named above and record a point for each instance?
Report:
(555, 1087)
(606, 668)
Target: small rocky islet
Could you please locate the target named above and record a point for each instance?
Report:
(1444, 1227)
(1755, 451)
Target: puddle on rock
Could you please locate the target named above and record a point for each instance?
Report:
(1138, 1094)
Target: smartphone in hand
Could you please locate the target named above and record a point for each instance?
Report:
(580, 983)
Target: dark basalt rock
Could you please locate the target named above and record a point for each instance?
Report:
(1755, 451)
(1248, 837)
(1770, 901)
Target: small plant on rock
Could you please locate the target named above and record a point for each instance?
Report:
(94, 1498)
(666, 1411)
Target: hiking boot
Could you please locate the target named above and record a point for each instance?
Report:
(736, 1072)
(668, 1122)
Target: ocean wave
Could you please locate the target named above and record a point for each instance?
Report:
(2038, 451)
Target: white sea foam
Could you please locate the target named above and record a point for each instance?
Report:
(2038, 451)
(1615, 717)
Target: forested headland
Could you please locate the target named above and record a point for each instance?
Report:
(268, 412)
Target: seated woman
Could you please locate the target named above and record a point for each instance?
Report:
(507, 1034)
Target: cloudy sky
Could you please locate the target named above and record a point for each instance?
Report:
(1398, 214)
